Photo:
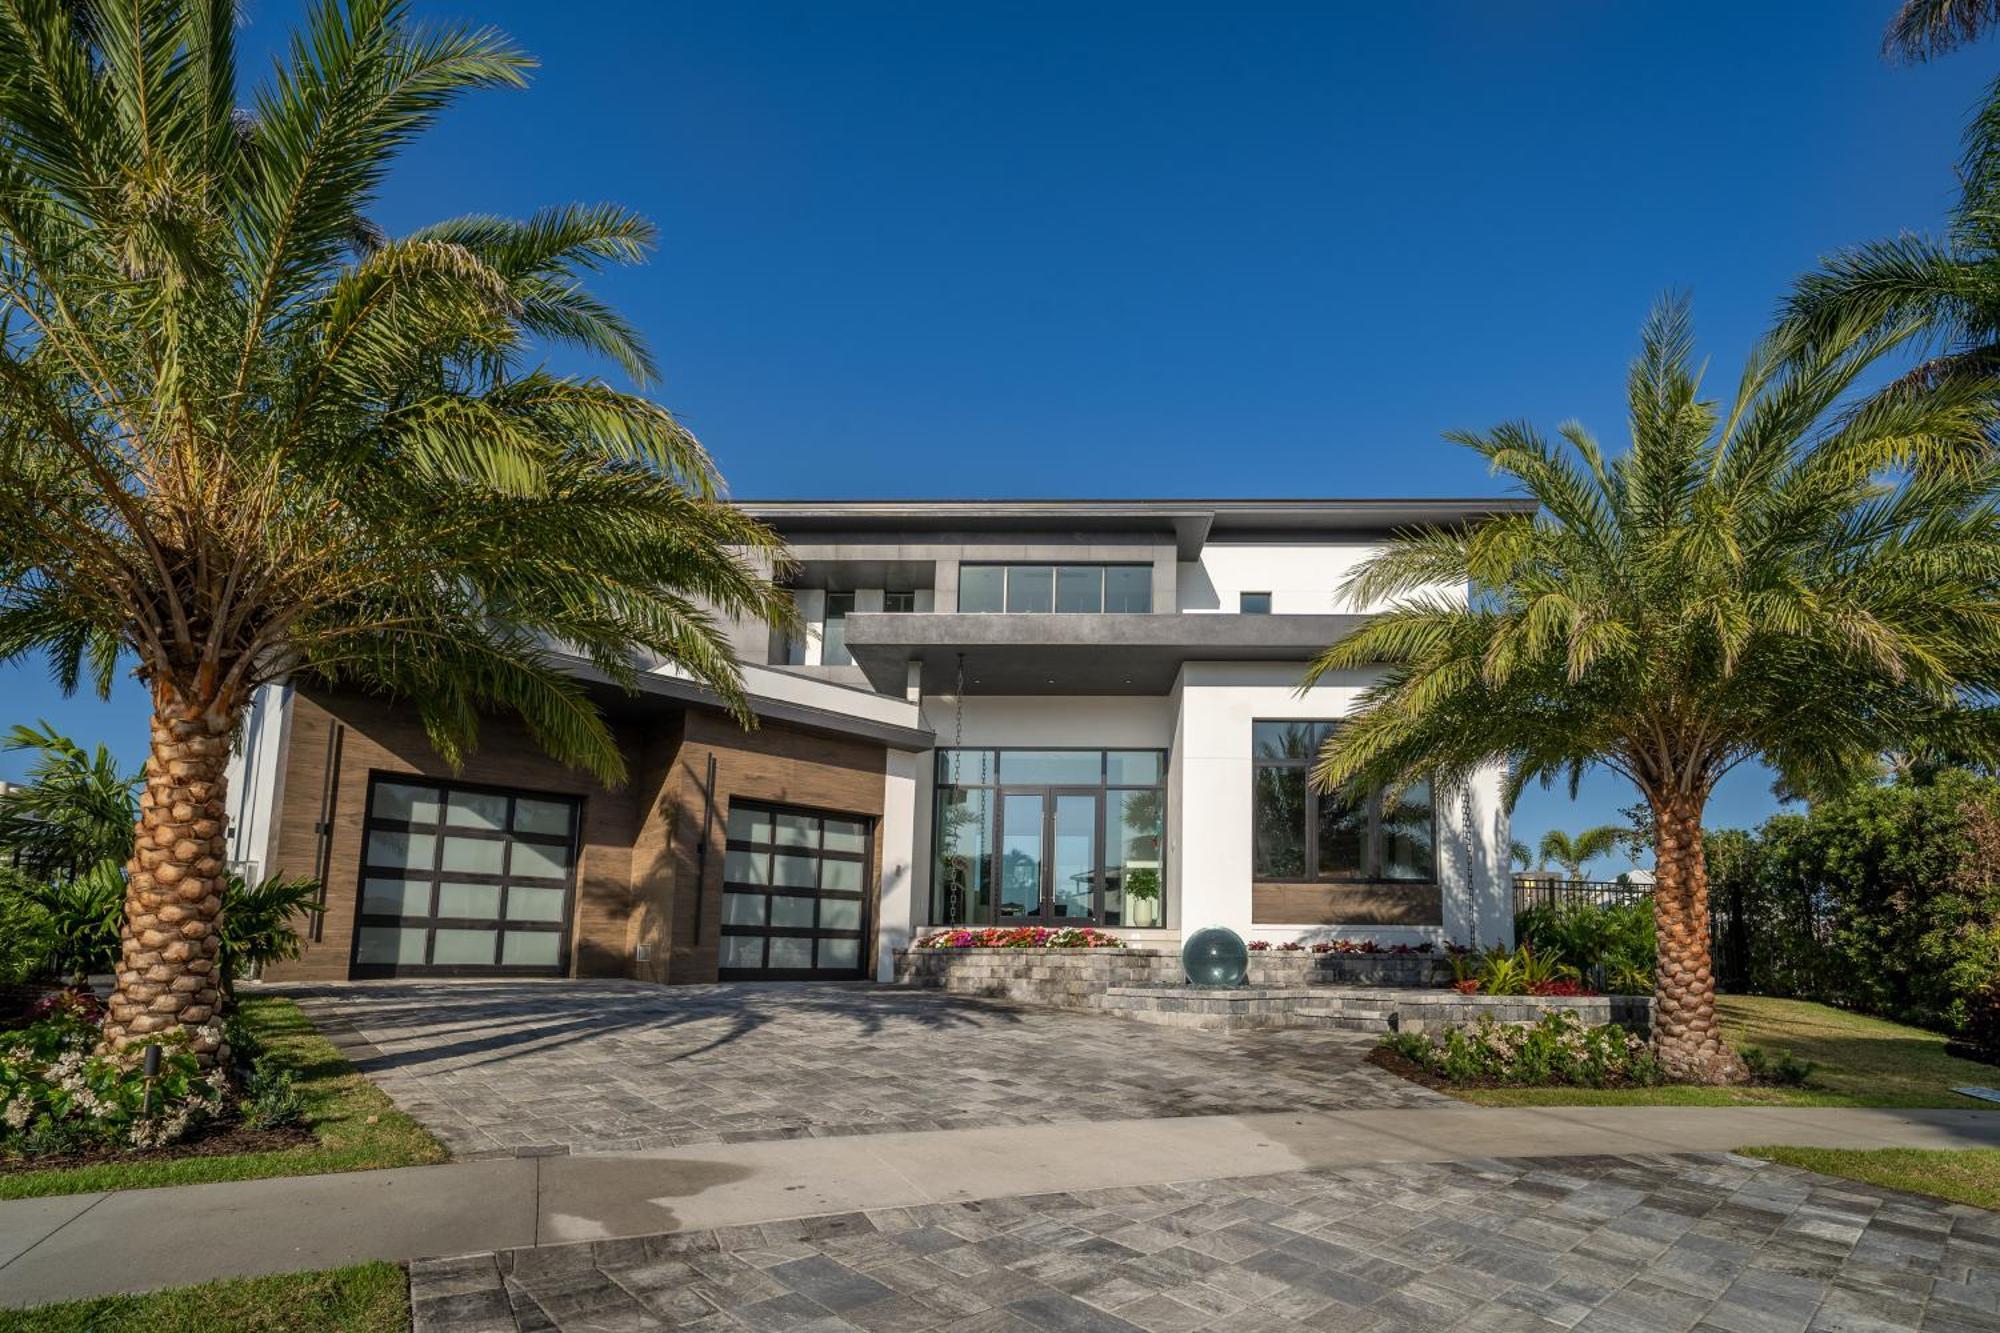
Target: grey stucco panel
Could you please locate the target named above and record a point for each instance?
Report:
(1076, 654)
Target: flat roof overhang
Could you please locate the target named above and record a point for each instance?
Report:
(823, 707)
(1075, 654)
(1189, 523)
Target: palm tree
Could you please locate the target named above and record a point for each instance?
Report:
(75, 811)
(1949, 288)
(1521, 854)
(1572, 854)
(245, 436)
(1734, 586)
(1925, 28)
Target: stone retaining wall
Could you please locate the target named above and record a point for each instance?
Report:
(1434, 1010)
(1052, 978)
(1078, 978)
(1275, 967)
(1279, 982)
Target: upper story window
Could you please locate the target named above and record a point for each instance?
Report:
(1068, 589)
(1254, 603)
(1299, 834)
(833, 638)
(899, 601)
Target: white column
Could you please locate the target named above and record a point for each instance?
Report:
(256, 778)
(896, 911)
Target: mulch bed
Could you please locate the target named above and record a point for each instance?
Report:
(224, 1136)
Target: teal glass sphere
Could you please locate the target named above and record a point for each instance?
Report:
(1216, 956)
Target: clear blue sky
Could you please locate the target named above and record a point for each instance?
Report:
(1164, 249)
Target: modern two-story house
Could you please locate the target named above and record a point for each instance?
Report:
(997, 713)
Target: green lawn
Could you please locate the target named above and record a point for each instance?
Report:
(367, 1298)
(1968, 1175)
(359, 1128)
(1861, 1061)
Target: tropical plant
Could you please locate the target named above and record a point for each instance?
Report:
(76, 920)
(1573, 854)
(1787, 581)
(1523, 971)
(1925, 28)
(1521, 854)
(75, 810)
(257, 924)
(1611, 943)
(1943, 287)
(244, 435)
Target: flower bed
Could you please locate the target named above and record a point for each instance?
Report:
(1557, 1050)
(1020, 937)
(1569, 986)
(59, 1096)
(1367, 948)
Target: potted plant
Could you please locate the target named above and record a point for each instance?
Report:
(1142, 895)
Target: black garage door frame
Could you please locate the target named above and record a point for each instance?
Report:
(435, 876)
(736, 885)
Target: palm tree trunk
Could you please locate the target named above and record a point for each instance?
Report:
(1687, 1035)
(169, 968)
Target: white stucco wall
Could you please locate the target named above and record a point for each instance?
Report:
(256, 775)
(1211, 787)
(899, 911)
(1302, 579)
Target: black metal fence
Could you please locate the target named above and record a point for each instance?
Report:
(1570, 892)
(1729, 931)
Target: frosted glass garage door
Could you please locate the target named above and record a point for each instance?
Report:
(464, 880)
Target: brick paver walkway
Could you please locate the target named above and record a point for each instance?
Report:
(1619, 1245)
(609, 1066)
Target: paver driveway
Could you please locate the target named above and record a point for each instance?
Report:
(608, 1066)
(1601, 1245)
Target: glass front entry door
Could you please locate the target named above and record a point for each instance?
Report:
(1049, 856)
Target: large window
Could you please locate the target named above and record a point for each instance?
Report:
(794, 893)
(1056, 837)
(833, 640)
(463, 879)
(1299, 834)
(1065, 589)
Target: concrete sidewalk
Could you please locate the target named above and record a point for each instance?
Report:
(91, 1244)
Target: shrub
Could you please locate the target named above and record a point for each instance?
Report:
(1612, 943)
(1885, 899)
(80, 1004)
(1559, 1049)
(1020, 937)
(1979, 1035)
(257, 924)
(1782, 1069)
(271, 1097)
(58, 1095)
(76, 921)
(1522, 972)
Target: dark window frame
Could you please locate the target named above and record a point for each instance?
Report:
(827, 641)
(1371, 869)
(997, 785)
(1243, 607)
(817, 892)
(1055, 583)
(437, 877)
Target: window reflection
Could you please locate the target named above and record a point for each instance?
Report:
(1300, 834)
